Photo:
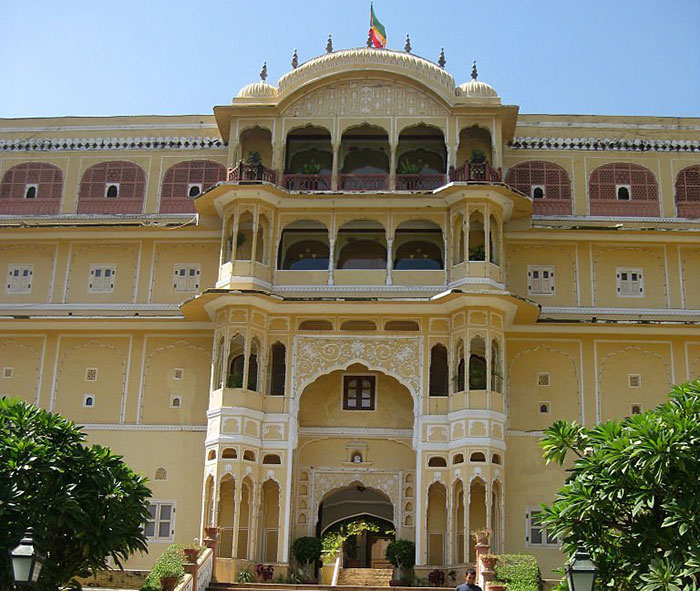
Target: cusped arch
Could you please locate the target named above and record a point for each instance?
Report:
(114, 187)
(688, 192)
(623, 189)
(547, 183)
(184, 181)
(31, 188)
(24, 352)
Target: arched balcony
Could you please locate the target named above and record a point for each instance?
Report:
(421, 159)
(688, 192)
(364, 154)
(475, 157)
(255, 157)
(245, 246)
(309, 160)
(477, 243)
(361, 253)
(304, 246)
(418, 253)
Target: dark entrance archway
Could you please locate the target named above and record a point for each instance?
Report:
(343, 509)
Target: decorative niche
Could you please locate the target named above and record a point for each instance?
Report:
(356, 454)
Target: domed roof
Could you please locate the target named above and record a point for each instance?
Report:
(476, 89)
(258, 89)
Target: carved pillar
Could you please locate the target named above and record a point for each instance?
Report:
(445, 256)
(278, 161)
(451, 530)
(451, 159)
(238, 497)
(234, 236)
(254, 246)
(389, 259)
(334, 170)
(487, 236)
(331, 259)
(392, 168)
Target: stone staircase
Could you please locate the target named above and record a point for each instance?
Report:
(365, 577)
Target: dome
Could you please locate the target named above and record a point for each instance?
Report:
(476, 89)
(257, 90)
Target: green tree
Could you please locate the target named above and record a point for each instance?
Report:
(633, 495)
(83, 503)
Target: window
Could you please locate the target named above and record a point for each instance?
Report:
(437, 462)
(623, 192)
(535, 534)
(88, 400)
(161, 474)
(359, 392)
(271, 459)
(7, 372)
(634, 380)
(186, 278)
(194, 189)
(178, 373)
(538, 191)
(543, 407)
(438, 371)
(90, 374)
(160, 524)
(278, 370)
(477, 456)
(175, 401)
(102, 278)
(112, 190)
(31, 190)
(543, 379)
(630, 283)
(540, 280)
(19, 278)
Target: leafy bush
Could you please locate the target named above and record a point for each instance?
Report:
(401, 553)
(306, 550)
(519, 571)
(244, 576)
(169, 564)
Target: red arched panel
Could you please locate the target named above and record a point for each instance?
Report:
(31, 188)
(643, 198)
(131, 181)
(555, 180)
(688, 192)
(178, 181)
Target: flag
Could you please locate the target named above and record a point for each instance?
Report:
(377, 32)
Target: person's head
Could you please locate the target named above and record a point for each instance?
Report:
(471, 576)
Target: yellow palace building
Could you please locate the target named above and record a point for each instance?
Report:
(363, 291)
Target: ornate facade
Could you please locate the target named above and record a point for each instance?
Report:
(365, 291)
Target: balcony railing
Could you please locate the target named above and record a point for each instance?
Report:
(244, 172)
(476, 172)
(363, 182)
(307, 182)
(419, 182)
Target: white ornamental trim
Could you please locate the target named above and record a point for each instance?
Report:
(603, 144)
(111, 143)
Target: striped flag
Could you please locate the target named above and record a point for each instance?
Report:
(377, 32)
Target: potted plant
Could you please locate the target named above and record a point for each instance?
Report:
(169, 569)
(402, 554)
(307, 550)
(496, 586)
(191, 554)
(211, 532)
(407, 167)
(254, 157)
(477, 253)
(489, 561)
(477, 156)
(265, 572)
(311, 167)
(244, 576)
(481, 536)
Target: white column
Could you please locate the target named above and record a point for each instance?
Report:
(334, 170)
(392, 167)
(389, 259)
(331, 259)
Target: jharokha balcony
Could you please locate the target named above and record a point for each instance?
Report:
(251, 172)
(475, 172)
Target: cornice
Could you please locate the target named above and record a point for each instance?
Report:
(111, 143)
(603, 144)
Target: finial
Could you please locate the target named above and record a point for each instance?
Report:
(474, 72)
(329, 45)
(441, 60)
(369, 38)
(295, 59)
(407, 45)
(263, 72)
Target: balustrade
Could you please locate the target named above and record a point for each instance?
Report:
(419, 182)
(476, 172)
(247, 172)
(307, 182)
(364, 182)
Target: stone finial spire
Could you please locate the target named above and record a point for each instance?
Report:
(407, 45)
(329, 45)
(295, 59)
(474, 72)
(263, 72)
(441, 60)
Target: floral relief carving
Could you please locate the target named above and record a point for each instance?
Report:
(398, 357)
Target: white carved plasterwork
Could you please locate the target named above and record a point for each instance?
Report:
(373, 98)
(398, 357)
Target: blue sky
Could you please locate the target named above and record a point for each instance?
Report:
(618, 57)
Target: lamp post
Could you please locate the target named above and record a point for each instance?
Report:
(26, 563)
(580, 571)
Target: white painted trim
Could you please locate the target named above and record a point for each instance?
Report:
(67, 277)
(680, 275)
(118, 427)
(127, 376)
(374, 433)
(608, 125)
(595, 311)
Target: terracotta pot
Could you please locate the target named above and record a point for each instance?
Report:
(496, 587)
(168, 583)
(211, 532)
(489, 562)
(482, 539)
(191, 554)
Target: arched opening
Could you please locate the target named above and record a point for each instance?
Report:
(494, 241)
(437, 523)
(458, 459)
(208, 501)
(623, 189)
(361, 244)
(459, 372)
(458, 240)
(496, 517)
(186, 180)
(309, 159)
(211, 455)
(496, 375)
(352, 504)
(253, 364)
(229, 453)
(438, 371)
(401, 325)
(547, 183)
(688, 192)
(304, 247)
(477, 511)
(437, 462)
(227, 508)
(219, 367)
(419, 246)
(422, 158)
(244, 238)
(112, 187)
(361, 325)
(261, 255)
(315, 325)
(477, 364)
(256, 147)
(270, 521)
(228, 240)
(244, 520)
(364, 154)
(31, 188)
(477, 456)
(459, 521)
(475, 156)
(477, 242)
(249, 455)
(496, 458)
(278, 369)
(236, 362)
(272, 459)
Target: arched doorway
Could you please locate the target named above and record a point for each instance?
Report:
(365, 517)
